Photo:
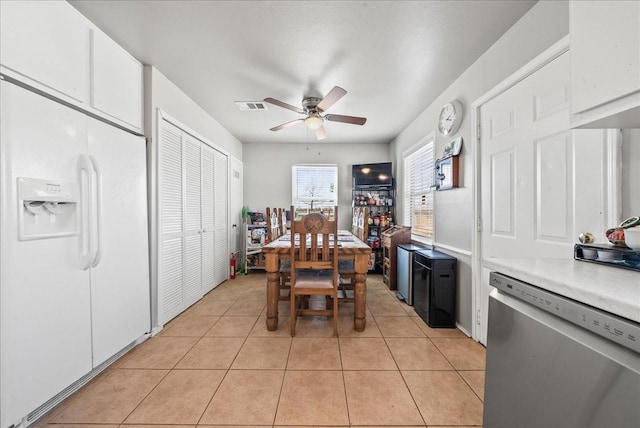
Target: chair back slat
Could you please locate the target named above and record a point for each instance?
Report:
(274, 230)
(314, 241)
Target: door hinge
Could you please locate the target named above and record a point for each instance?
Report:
(478, 316)
(479, 225)
(478, 132)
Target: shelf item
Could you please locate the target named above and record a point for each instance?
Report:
(609, 255)
(255, 238)
(446, 171)
(391, 238)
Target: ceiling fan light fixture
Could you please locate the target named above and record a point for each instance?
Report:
(314, 121)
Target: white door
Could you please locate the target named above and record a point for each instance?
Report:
(234, 226)
(208, 241)
(120, 301)
(192, 291)
(45, 336)
(221, 208)
(536, 173)
(170, 221)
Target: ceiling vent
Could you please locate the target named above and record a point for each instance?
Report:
(251, 105)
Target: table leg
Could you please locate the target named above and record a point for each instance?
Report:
(359, 318)
(273, 290)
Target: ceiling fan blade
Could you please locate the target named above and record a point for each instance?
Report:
(320, 133)
(283, 105)
(287, 125)
(331, 98)
(345, 119)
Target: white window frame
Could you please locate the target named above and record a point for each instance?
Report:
(324, 195)
(418, 186)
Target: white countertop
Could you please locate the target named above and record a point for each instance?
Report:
(608, 288)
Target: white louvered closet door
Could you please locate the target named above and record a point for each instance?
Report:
(170, 261)
(221, 204)
(208, 278)
(193, 220)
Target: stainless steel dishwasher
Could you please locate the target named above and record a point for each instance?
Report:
(554, 362)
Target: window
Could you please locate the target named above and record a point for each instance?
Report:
(418, 193)
(314, 187)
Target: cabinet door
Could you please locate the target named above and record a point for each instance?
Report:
(116, 81)
(208, 232)
(120, 301)
(170, 257)
(45, 44)
(193, 221)
(605, 51)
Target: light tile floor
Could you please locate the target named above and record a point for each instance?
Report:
(217, 365)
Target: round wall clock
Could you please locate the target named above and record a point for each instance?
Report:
(450, 118)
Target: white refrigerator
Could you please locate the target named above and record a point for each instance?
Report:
(74, 264)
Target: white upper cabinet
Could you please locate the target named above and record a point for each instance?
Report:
(50, 46)
(116, 87)
(45, 44)
(605, 64)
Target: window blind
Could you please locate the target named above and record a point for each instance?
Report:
(418, 192)
(314, 187)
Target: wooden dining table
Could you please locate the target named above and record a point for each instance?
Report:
(349, 248)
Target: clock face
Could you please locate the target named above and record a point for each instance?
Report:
(450, 118)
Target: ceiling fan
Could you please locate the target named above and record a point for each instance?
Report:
(314, 108)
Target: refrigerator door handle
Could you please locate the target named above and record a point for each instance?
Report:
(84, 178)
(98, 212)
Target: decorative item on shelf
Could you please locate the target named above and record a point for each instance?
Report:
(453, 148)
(586, 238)
(632, 237)
(616, 235)
(446, 173)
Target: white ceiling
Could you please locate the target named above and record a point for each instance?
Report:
(393, 57)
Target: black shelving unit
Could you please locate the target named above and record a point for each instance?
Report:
(381, 203)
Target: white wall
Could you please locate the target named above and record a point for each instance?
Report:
(267, 171)
(546, 23)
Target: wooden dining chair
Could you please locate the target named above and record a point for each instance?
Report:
(362, 230)
(282, 215)
(285, 265)
(273, 228)
(314, 264)
(275, 231)
(346, 268)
